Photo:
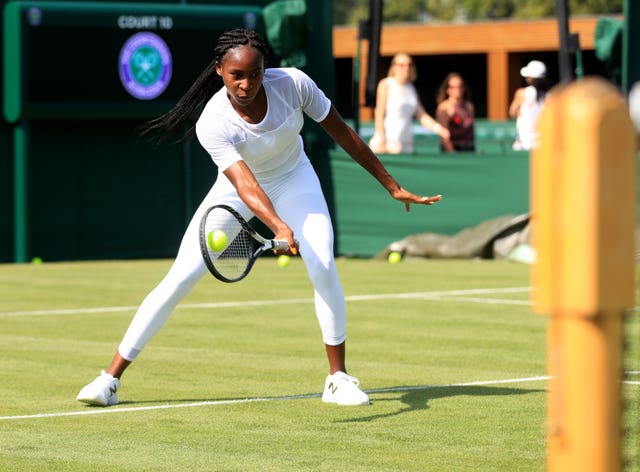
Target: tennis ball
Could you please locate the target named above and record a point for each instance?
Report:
(36, 260)
(217, 240)
(283, 260)
(394, 257)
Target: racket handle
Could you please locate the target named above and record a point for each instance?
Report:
(279, 245)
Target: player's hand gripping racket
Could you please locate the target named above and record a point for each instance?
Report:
(229, 245)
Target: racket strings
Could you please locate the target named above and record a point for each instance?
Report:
(232, 261)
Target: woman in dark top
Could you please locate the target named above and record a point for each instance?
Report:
(456, 113)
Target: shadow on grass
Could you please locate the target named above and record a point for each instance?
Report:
(417, 398)
(414, 397)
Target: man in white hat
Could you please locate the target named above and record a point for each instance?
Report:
(527, 103)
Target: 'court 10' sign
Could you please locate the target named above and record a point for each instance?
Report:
(108, 60)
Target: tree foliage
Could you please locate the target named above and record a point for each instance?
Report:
(394, 11)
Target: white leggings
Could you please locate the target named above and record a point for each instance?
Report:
(298, 200)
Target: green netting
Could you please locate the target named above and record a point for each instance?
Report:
(287, 30)
(608, 46)
(608, 38)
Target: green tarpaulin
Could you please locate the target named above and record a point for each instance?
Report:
(475, 188)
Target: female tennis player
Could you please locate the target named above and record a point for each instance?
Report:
(250, 125)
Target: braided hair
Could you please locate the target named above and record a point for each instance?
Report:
(205, 86)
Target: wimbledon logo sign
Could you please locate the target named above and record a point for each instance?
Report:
(145, 66)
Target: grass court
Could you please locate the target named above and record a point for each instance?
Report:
(451, 354)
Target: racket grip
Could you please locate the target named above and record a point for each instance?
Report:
(279, 244)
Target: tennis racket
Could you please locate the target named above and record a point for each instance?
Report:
(231, 256)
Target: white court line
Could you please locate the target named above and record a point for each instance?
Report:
(435, 295)
(630, 373)
(495, 301)
(447, 295)
(99, 411)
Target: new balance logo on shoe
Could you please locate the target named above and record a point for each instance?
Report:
(342, 389)
(102, 391)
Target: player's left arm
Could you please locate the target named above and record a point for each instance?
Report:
(358, 150)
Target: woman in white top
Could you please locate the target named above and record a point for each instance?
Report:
(250, 125)
(397, 105)
(527, 104)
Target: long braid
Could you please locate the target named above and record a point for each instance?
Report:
(205, 86)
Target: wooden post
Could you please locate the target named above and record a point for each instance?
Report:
(498, 85)
(583, 218)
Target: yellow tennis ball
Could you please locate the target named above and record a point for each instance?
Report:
(217, 240)
(283, 260)
(394, 257)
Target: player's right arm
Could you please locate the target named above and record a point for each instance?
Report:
(253, 195)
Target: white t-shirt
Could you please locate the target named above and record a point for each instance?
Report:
(402, 104)
(274, 146)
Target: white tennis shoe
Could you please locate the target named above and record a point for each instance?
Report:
(103, 391)
(343, 389)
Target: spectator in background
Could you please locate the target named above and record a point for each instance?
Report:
(456, 113)
(634, 105)
(397, 105)
(527, 104)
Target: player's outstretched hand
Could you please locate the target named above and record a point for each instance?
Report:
(409, 198)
